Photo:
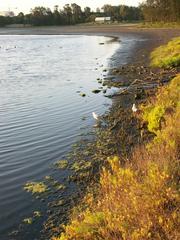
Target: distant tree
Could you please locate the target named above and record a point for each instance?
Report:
(161, 10)
(57, 19)
(108, 10)
(76, 13)
(124, 11)
(73, 14)
(19, 19)
(41, 16)
(87, 12)
(68, 14)
(2, 21)
(98, 10)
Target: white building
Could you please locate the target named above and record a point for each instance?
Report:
(7, 13)
(102, 19)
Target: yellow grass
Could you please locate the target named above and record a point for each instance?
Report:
(167, 55)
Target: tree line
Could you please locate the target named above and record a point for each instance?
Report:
(161, 10)
(150, 10)
(72, 14)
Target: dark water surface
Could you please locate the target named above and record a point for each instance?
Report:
(41, 111)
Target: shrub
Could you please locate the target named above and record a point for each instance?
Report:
(166, 103)
(129, 207)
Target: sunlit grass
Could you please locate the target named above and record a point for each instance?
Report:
(167, 55)
(167, 102)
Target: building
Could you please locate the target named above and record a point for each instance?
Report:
(7, 13)
(102, 19)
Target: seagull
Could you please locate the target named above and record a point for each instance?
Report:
(95, 116)
(134, 108)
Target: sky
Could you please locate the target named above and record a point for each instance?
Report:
(25, 5)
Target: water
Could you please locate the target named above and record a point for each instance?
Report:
(41, 109)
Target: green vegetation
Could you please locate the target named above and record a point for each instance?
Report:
(141, 199)
(167, 102)
(37, 214)
(28, 220)
(168, 55)
(35, 187)
(61, 164)
(80, 166)
(72, 14)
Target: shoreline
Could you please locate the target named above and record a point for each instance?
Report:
(120, 124)
(123, 102)
(159, 35)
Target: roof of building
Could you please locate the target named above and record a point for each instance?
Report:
(103, 18)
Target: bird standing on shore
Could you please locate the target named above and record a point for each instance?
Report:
(134, 108)
(95, 116)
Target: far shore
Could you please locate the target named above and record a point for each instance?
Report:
(154, 36)
(113, 30)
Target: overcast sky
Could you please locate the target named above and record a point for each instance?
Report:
(26, 5)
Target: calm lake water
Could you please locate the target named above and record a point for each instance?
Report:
(41, 111)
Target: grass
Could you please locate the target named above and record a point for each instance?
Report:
(61, 164)
(167, 55)
(139, 201)
(160, 25)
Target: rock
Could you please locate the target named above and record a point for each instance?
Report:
(140, 94)
(82, 94)
(137, 96)
(101, 43)
(96, 91)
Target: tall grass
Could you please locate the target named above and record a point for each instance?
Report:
(167, 55)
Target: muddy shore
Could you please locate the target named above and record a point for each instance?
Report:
(120, 130)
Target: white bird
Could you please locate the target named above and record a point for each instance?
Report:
(134, 108)
(95, 116)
